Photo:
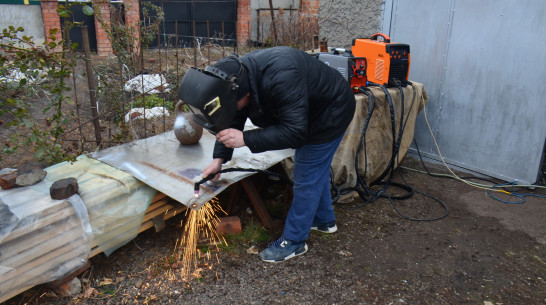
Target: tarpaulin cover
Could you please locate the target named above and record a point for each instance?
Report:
(42, 239)
(374, 157)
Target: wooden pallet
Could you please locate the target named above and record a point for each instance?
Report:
(55, 238)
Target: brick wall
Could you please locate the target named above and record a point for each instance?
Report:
(132, 19)
(310, 11)
(310, 7)
(243, 22)
(104, 45)
(51, 20)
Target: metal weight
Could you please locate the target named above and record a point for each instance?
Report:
(186, 130)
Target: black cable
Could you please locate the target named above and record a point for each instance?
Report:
(406, 184)
(446, 176)
(239, 169)
(361, 187)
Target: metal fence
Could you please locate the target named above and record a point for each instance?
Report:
(128, 96)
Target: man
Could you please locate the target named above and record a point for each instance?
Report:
(299, 102)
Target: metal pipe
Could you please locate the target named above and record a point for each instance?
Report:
(92, 84)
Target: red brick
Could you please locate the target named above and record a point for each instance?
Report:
(7, 181)
(229, 224)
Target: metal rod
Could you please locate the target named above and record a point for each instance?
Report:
(194, 46)
(92, 84)
(75, 87)
(258, 26)
(176, 51)
(142, 83)
(160, 76)
(208, 44)
(273, 21)
(223, 40)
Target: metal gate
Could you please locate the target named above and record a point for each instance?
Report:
(482, 64)
(75, 32)
(77, 16)
(202, 19)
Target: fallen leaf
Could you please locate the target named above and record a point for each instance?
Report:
(106, 281)
(252, 250)
(90, 292)
(345, 253)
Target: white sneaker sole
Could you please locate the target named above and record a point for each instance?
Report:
(330, 230)
(287, 257)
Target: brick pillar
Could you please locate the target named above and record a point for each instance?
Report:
(104, 45)
(243, 22)
(310, 13)
(132, 20)
(51, 20)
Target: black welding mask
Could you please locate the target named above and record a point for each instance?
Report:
(212, 93)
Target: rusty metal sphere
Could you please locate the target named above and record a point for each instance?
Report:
(186, 130)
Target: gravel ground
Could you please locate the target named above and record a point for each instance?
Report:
(484, 251)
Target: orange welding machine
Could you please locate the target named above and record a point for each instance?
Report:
(387, 62)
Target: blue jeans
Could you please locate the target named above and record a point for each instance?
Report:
(312, 202)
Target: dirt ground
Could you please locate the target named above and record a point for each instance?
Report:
(483, 251)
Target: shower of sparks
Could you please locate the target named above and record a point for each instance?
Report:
(200, 224)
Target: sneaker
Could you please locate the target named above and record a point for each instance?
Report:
(325, 228)
(282, 249)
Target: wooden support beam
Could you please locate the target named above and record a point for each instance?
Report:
(257, 202)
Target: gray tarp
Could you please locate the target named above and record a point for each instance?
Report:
(378, 147)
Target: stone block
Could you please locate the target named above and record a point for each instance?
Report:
(29, 176)
(64, 188)
(7, 181)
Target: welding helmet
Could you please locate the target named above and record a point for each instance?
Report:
(212, 93)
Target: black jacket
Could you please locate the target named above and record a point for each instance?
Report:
(295, 98)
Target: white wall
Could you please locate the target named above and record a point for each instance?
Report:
(27, 16)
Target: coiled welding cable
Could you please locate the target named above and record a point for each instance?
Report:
(361, 187)
(361, 183)
(406, 184)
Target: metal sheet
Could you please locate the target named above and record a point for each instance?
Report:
(172, 168)
(482, 64)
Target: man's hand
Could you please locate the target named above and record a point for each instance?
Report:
(231, 138)
(214, 167)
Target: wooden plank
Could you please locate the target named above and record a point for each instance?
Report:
(257, 202)
(44, 219)
(19, 251)
(32, 249)
(145, 226)
(9, 289)
(44, 262)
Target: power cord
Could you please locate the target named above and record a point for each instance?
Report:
(493, 187)
(361, 187)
